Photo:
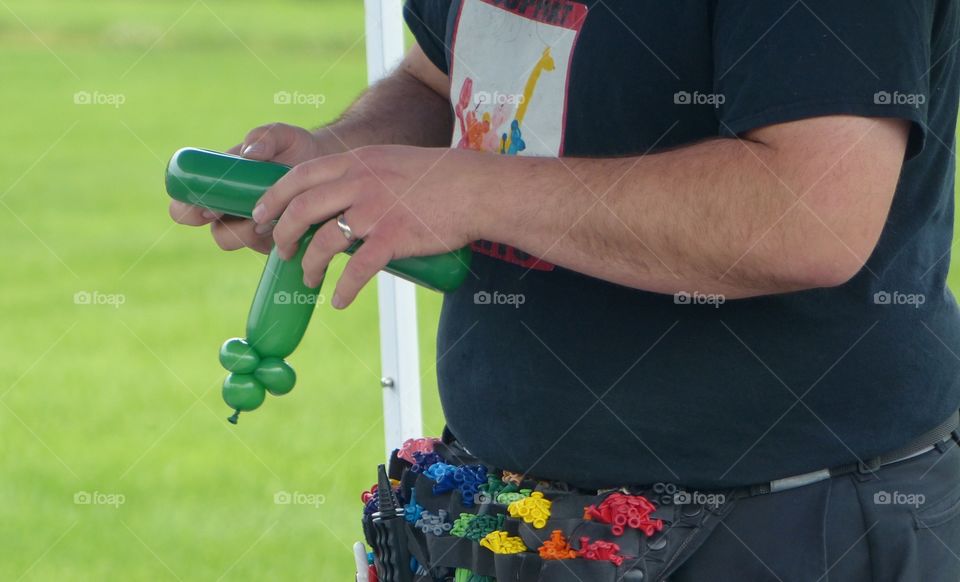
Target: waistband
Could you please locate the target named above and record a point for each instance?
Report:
(918, 446)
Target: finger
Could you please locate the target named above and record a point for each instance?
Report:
(191, 215)
(235, 150)
(232, 234)
(318, 172)
(325, 244)
(268, 141)
(370, 258)
(315, 206)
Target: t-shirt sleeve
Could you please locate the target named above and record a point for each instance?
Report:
(783, 60)
(428, 21)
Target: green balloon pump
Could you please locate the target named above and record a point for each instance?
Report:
(282, 305)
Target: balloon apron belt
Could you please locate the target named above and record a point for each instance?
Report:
(432, 521)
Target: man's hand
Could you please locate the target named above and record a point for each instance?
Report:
(402, 201)
(283, 144)
(427, 121)
(277, 142)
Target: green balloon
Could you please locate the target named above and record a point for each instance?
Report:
(243, 392)
(282, 306)
(276, 375)
(238, 356)
(233, 185)
(220, 182)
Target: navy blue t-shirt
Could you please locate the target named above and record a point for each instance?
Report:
(546, 371)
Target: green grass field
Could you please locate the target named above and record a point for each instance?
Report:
(124, 400)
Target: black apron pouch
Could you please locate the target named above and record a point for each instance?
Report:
(483, 561)
(578, 571)
(417, 546)
(456, 506)
(450, 552)
(518, 567)
(396, 466)
(408, 481)
(428, 500)
(685, 532)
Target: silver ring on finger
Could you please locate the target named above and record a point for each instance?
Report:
(345, 228)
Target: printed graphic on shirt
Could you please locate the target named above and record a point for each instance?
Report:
(510, 75)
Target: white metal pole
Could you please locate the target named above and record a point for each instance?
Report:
(399, 351)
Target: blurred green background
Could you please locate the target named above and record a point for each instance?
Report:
(124, 400)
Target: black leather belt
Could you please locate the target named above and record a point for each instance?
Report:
(918, 446)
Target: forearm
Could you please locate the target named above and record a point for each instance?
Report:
(641, 223)
(724, 216)
(400, 109)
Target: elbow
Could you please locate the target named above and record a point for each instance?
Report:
(832, 243)
(832, 273)
(832, 265)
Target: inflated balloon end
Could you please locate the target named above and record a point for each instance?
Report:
(282, 305)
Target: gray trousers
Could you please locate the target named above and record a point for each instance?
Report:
(900, 524)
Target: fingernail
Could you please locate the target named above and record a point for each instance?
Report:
(252, 148)
(209, 215)
(258, 212)
(263, 229)
(337, 302)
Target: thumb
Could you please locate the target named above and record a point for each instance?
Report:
(270, 142)
(264, 148)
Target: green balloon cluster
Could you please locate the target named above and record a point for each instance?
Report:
(283, 305)
(251, 376)
(278, 318)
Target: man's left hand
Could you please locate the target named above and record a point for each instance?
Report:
(402, 201)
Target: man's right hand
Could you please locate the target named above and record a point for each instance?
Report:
(276, 142)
